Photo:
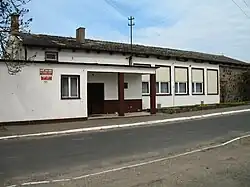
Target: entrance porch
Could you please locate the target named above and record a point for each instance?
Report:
(118, 91)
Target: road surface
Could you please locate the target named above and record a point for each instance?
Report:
(75, 155)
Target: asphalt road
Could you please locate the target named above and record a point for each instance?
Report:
(73, 155)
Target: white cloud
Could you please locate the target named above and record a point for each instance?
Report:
(209, 26)
(213, 26)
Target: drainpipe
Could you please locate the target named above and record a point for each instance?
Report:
(173, 83)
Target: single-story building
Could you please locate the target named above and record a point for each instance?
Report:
(75, 77)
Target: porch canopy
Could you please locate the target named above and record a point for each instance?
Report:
(120, 70)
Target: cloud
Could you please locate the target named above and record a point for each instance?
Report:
(211, 26)
(208, 26)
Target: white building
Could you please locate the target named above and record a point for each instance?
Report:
(72, 78)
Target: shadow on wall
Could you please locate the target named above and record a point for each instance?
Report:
(246, 85)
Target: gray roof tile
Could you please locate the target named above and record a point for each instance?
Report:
(71, 43)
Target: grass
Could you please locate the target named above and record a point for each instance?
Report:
(181, 109)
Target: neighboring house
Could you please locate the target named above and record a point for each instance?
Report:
(77, 77)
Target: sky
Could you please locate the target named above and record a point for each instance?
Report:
(210, 26)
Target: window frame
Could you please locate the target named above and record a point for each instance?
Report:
(164, 93)
(54, 52)
(147, 88)
(187, 83)
(203, 83)
(194, 92)
(69, 81)
(169, 82)
(157, 84)
(178, 93)
(217, 73)
(160, 92)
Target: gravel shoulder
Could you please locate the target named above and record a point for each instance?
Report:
(227, 166)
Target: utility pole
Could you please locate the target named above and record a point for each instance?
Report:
(131, 24)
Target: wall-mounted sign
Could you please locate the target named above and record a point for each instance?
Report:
(46, 74)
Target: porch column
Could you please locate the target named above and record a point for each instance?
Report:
(121, 93)
(152, 94)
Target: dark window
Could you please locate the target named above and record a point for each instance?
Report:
(165, 87)
(125, 85)
(157, 87)
(197, 88)
(181, 88)
(51, 56)
(145, 87)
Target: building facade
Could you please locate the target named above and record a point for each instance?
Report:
(72, 78)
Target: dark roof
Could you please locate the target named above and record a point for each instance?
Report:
(41, 40)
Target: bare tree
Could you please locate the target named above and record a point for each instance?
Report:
(12, 22)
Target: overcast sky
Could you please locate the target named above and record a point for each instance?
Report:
(212, 26)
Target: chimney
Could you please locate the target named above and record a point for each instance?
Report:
(14, 23)
(80, 34)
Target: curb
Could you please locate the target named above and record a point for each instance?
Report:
(122, 125)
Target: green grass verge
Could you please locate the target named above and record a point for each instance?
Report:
(181, 109)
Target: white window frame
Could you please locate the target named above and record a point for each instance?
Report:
(144, 82)
(178, 88)
(195, 88)
(69, 77)
(160, 90)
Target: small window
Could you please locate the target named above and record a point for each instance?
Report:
(165, 87)
(157, 87)
(145, 87)
(70, 86)
(125, 85)
(181, 88)
(51, 56)
(197, 88)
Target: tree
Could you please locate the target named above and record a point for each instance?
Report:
(12, 22)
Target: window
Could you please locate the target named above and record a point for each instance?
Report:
(51, 55)
(181, 80)
(212, 82)
(165, 87)
(157, 85)
(145, 87)
(125, 85)
(197, 88)
(181, 88)
(163, 79)
(70, 86)
(197, 81)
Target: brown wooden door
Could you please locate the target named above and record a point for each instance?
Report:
(95, 98)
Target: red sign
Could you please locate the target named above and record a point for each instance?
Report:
(46, 74)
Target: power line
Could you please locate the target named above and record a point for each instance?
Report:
(241, 10)
(246, 3)
(115, 7)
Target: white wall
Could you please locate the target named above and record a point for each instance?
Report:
(110, 81)
(134, 90)
(165, 101)
(25, 97)
(81, 56)
(174, 100)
